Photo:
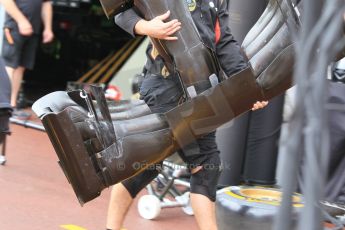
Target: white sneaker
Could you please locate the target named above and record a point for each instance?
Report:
(2, 160)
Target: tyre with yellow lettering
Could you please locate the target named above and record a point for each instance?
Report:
(250, 208)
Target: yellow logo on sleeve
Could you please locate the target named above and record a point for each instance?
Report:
(191, 5)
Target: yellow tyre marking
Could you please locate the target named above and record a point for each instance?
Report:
(249, 199)
(235, 195)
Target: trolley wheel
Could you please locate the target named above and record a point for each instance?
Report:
(149, 207)
(185, 199)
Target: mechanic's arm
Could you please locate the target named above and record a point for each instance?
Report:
(47, 19)
(24, 26)
(131, 22)
(228, 50)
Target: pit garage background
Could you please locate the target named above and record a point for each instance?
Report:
(84, 39)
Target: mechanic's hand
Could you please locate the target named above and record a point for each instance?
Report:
(25, 27)
(259, 105)
(157, 28)
(47, 36)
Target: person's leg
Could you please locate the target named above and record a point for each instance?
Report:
(16, 76)
(122, 196)
(120, 201)
(12, 50)
(204, 162)
(26, 59)
(5, 114)
(204, 211)
(2, 149)
(5, 109)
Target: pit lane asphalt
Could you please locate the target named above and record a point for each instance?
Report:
(35, 195)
